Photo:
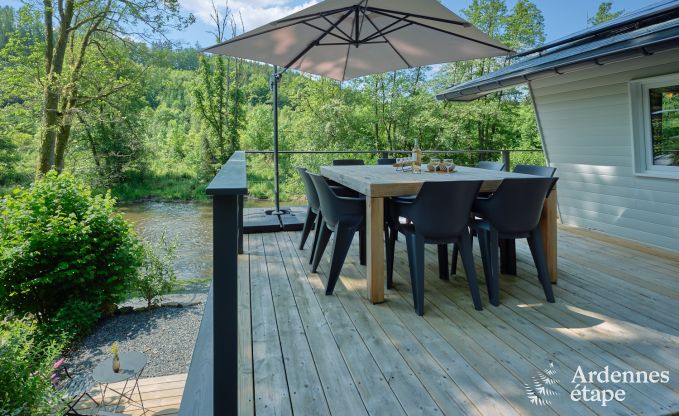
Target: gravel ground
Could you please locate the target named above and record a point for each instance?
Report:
(166, 335)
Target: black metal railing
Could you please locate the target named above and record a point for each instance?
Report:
(261, 179)
(214, 365)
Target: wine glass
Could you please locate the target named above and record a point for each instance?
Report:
(433, 164)
(449, 164)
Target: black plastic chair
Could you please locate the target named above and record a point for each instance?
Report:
(486, 164)
(512, 212)
(438, 215)
(314, 217)
(386, 161)
(343, 216)
(348, 162)
(544, 171)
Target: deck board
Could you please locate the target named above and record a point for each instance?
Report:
(615, 307)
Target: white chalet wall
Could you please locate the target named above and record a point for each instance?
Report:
(585, 122)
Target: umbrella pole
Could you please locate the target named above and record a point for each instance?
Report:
(274, 86)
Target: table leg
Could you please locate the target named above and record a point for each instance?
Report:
(548, 229)
(375, 230)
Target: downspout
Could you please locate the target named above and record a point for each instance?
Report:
(545, 152)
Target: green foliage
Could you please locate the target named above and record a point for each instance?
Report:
(604, 14)
(60, 243)
(26, 368)
(156, 274)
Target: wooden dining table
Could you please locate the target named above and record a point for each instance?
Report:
(379, 182)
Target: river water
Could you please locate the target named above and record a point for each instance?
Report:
(189, 224)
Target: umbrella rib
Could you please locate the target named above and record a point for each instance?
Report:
(419, 16)
(346, 62)
(305, 19)
(446, 31)
(386, 30)
(346, 35)
(314, 43)
(388, 42)
(323, 31)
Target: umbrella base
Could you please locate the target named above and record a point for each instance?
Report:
(257, 220)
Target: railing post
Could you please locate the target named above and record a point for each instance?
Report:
(506, 160)
(212, 383)
(241, 202)
(225, 305)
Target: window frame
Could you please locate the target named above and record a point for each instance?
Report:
(642, 136)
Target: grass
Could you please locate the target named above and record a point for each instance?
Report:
(166, 187)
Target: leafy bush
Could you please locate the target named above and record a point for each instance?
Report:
(26, 368)
(156, 274)
(64, 252)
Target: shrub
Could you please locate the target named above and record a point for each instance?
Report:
(26, 368)
(156, 274)
(64, 252)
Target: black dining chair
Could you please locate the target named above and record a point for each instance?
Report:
(428, 223)
(544, 171)
(512, 212)
(343, 217)
(486, 164)
(314, 217)
(386, 161)
(348, 162)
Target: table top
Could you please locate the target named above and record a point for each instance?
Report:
(384, 181)
(131, 364)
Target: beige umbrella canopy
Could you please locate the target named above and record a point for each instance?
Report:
(345, 39)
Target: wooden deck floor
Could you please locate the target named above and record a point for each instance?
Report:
(161, 395)
(305, 353)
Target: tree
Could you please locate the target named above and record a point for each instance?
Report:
(7, 24)
(72, 29)
(218, 96)
(604, 14)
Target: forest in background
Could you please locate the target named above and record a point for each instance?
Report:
(95, 88)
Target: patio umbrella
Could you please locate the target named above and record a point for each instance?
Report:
(346, 39)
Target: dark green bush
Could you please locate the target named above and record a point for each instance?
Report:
(64, 252)
(26, 368)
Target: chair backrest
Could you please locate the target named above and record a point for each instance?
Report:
(516, 205)
(487, 164)
(441, 209)
(334, 207)
(386, 161)
(546, 171)
(347, 162)
(309, 189)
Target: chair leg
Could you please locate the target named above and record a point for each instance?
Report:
(411, 266)
(416, 261)
(508, 256)
(343, 238)
(391, 247)
(468, 261)
(443, 261)
(361, 245)
(483, 246)
(319, 222)
(308, 223)
(453, 266)
(323, 239)
(536, 248)
(494, 267)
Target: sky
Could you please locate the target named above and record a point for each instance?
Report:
(561, 17)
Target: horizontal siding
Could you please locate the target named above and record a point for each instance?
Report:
(585, 120)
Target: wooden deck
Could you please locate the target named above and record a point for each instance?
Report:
(161, 396)
(305, 353)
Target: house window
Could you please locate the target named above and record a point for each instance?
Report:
(655, 124)
(664, 117)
